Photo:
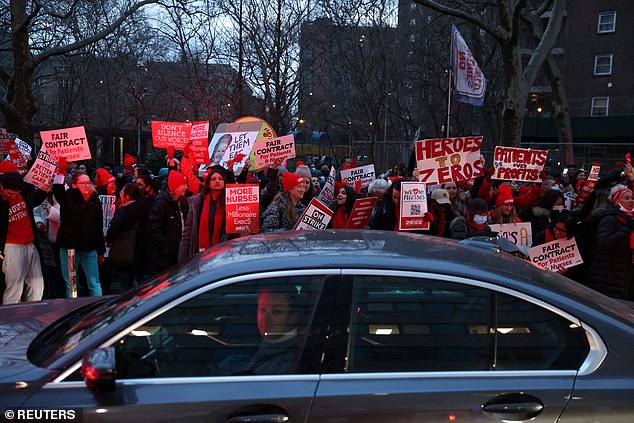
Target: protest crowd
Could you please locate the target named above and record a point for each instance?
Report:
(103, 232)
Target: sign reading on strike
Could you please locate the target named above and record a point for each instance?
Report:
(316, 217)
(519, 234)
(364, 173)
(42, 171)
(589, 185)
(413, 207)
(518, 164)
(175, 134)
(327, 194)
(273, 151)
(361, 213)
(107, 208)
(242, 203)
(199, 136)
(556, 255)
(442, 160)
(69, 143)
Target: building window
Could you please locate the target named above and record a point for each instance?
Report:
(602, 64)
(607, 22)
(600, 106)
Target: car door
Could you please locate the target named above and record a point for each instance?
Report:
(246, 349)
(410, 347)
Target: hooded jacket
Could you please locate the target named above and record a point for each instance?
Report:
(81, 221)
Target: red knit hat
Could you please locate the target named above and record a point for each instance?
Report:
(617, 195)
(291, 180)
(505, 195)
(103, 177)
(8, 166)
(129, 160)
(175, 179)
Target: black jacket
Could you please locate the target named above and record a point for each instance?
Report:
(32, 198)
(81, 222)
(385, 217)
(164, 231)
(124, 220)
(611, 270)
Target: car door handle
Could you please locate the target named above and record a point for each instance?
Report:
(259, 418)
(514, 407)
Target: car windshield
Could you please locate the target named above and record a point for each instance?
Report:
(68, 332)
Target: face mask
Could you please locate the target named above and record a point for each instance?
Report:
(555, 188)
(480, 220)
(558, 208)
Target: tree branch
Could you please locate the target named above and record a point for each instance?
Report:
(53, 13)
(517, 13)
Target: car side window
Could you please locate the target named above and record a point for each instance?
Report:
(254, 327)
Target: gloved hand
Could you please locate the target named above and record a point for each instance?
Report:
(100, 260)
(62, 166)
(489, 174)
(429, 217)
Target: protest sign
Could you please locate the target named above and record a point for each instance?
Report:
(361, 212)
(42, 171)
(4, 137)
(243, 208)
(199, 136)
(70, 143)
(107, 208)
(24, 147)
(315, 217)
(556, 255)
(518, 164)
(327, 194)
(519, 234)
(570, 201)
(413, 207)
(442, 160)
(364, 173)
(166, 134)
(16, 155)
(231, 139)
(272, 151)
(589, 185)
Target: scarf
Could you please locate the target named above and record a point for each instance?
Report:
(476, 226)
(205, 228)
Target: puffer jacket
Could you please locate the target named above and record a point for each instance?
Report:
(276, 218)
(81, 221)
(165, 227)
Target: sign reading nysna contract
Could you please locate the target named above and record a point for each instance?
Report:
(327, 194)
(242, 203)
(199, 136)
(231, 139)
(442, 160)
(589, 185)
(316, 217)
(273, 151)
(413, 207)
(361, 213)
(518, 164)
(166, 134)
(364, 173)
(107, 208)
(520, 234)
(69, 143)
(42, 171)
(556, 255)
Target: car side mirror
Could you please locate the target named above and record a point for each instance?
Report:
(99, 369)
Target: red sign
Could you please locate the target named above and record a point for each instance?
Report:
(589, 185)
(316, 217)
(518, 164)
(199, 137)
(69, 143)
(175, 134)
(442, 160)
(243, 208)
(361, 212)
(16, 155)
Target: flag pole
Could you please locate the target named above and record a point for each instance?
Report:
(450, 85)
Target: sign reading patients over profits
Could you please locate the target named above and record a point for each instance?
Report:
(363, 173)
(518, 164)
(519, 234)
(442, 160)
(315, 217)
(556, 255)
(272, 151)
(243, 208)
(166, 134)
(69, 143)
(413, 207)
(42, 171)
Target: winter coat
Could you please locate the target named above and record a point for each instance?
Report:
(81, 221)
(611, 270)
(384, 218)
(189, 242)
(276, 218)
(461, 229)
(538, 217)
(164, 231)
(124, 219)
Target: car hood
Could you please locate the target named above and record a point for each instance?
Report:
(20, 324)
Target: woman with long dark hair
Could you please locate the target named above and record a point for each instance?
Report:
(344, 201)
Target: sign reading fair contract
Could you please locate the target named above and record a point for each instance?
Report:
(361, 213)
(42, 171)
(199, 136)
(442, 160)
(175, 134)
(519, 234)
(316, 217)
(518, 164)
(273, 151)
(556, 255)
(243, 208)
(327, 194)
(69, 143)
(413, 207)
(364, 173)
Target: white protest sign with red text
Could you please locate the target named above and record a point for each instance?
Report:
(327, 194)
(42, 171)
(518, 164)
(199, 136)
(166, 134)
(69, 143)
(361, 213)
(556, 255)
(442, 160)
(589, 185)
(269, 151)
(108, 206)
(520, 234)
(316, 216)
(413, 207)
(364, 173)
(242, 203)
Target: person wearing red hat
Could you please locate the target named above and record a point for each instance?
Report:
(504, 211)
(286, 207)
(105, 182)
(8, 166)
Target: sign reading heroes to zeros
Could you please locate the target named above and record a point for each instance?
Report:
(518, 164)
(442, 160)
(69, 143)
(243, 208)
(175, 134)
(268, 151)
(556, 255)
(316, 217)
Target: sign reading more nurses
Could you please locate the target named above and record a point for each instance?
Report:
(442, 160)
(69, 143)
(518, 164)
(556, 255)
(243, 208)
(413, 207)
(316, 216)
(199, 136)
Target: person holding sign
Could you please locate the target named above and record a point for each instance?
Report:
(344, 202)
(286, 207)
(611, 271)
